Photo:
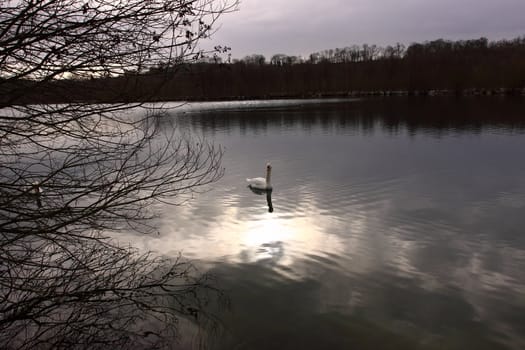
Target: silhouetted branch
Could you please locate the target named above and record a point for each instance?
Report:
(73, 172)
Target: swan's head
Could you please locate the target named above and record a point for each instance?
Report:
(268, 166)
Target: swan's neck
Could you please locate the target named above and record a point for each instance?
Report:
(268, 176)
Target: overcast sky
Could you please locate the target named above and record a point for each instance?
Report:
(300, 27)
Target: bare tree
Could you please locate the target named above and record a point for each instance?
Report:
(72, 171)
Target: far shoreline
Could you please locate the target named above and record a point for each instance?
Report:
(473, 92)
(342, 95)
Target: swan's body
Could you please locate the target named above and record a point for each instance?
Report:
(258, 183)
(261, 183)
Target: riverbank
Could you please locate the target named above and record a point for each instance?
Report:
(375, 93)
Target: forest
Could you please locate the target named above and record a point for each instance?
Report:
(464, 67)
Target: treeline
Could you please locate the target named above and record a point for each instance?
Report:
(434, 67)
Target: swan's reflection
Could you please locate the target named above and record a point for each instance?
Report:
(268, 193)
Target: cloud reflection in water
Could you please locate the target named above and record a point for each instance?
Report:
(402, 216)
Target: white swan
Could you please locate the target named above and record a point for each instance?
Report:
(36, 191)
(260, 183)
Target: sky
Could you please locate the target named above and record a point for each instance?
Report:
(300, 27)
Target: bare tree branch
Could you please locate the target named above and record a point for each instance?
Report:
(90, 160)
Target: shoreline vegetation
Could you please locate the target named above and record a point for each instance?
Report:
(434, 68)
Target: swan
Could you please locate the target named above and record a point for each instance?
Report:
(260, 183)
(36, 191)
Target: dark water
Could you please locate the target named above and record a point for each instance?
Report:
(397, 224)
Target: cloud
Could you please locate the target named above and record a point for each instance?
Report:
(305, 26)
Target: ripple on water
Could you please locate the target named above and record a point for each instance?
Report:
(401, 228)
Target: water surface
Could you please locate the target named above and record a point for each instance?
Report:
(397, 223)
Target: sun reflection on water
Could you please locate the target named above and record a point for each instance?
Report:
(267, 229)
(244, 234)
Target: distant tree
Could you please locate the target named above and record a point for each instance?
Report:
(289, 60)
(255, 59)
(399, 50)
(278, 59)
(314, 58)
(73, 172)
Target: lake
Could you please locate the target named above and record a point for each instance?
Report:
(397, 223)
